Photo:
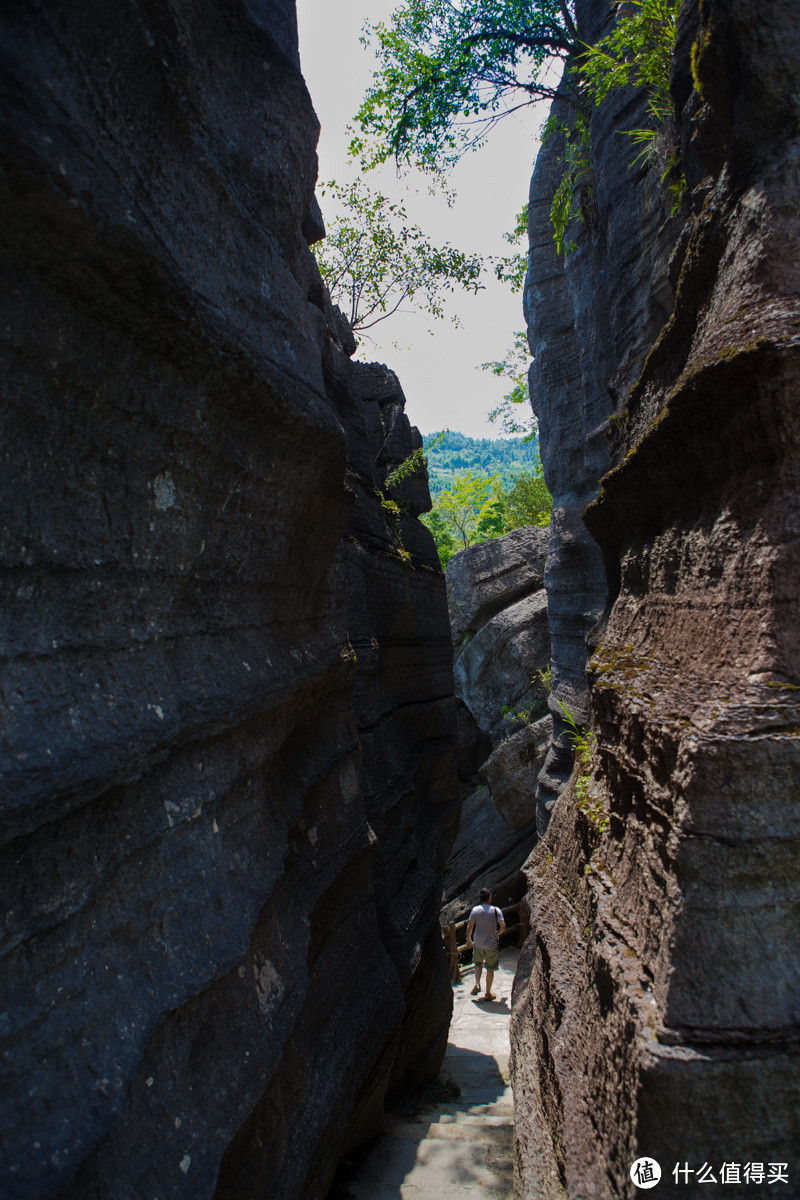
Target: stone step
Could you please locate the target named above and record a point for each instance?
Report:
(504, 1106)
(460, 1149)
(410, 1191)
(480, 1101)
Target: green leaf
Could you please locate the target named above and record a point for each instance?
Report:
(374, 260)
(447, 71)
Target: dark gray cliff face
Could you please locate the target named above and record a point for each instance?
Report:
(498, 622)
(592, 317)
(228, 785)
(656, 1007)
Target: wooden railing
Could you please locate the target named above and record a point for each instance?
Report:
(455, 936)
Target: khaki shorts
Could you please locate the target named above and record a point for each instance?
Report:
(488, 958)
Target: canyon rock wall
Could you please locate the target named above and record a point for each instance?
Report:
(498, 622)
(656, 1010)
(228, 760)
(591, 322)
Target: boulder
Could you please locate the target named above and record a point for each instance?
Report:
(486, 578)
(512, 770)
(497, 668)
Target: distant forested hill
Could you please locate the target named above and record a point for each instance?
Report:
(458, 454)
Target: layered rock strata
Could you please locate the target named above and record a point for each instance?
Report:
(591, 322)
(512, 769)
(656, 1010)
(498, 620)
(484, 579)
(228, 770)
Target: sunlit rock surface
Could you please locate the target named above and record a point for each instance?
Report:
(486, 578)
(228, 782)
(656, 1006)
(498, 619)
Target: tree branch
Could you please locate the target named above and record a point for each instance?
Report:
(568, 22)
(556, 40)
(383, 316)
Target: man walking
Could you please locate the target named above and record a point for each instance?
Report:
(486, 922)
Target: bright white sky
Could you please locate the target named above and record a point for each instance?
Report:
(437, 363)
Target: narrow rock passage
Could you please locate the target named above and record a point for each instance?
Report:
(464, 1146)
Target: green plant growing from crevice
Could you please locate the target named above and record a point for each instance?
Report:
(395, 510)
(522, 714)
(541, 679)
(510, 713)
(696, 58)
(584, 747)
(414, 462)
(637, 53)
(575, 192)
(673, 181)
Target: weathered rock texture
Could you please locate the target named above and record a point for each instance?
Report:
(656, 1011)
(498, 619)
(484, 579)
(590, 327)
(511, 771)
(228, 755)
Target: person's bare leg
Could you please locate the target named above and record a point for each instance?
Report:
(478, 973)
(489, 978)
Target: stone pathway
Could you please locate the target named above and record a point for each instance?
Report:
(463, 1147)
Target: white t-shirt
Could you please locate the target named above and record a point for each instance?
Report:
(486, 918)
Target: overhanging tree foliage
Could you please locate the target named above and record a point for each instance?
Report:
(637, 53)
(373, 259)
(449, 70)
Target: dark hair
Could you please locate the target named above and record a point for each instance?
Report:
(485, 894)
